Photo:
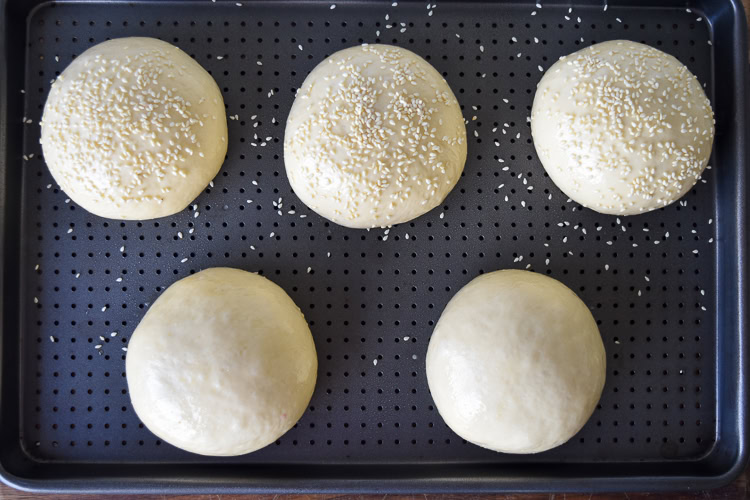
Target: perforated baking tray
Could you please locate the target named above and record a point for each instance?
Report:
(667, 288)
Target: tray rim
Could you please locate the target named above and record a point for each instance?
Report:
(718, 467)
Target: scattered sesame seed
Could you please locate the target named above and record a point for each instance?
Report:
(52, 339)
(333, 6)
(375, 362)
(36, 300)
(70, 230)
(122, 249)
(309, 269)
(124, 349)
(98, 346)
(184, 260)
(113, 334)
(272, 234)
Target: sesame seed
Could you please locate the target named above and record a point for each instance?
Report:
(272, 234)
(375, 362)
(36, 300)
(70, 230)
(104, 308)
(52, 339)
(98, 346)
(113, 334)
(124, 349)
(309, 269)
(184, 260)
(333, 6)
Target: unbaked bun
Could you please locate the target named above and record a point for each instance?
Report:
(223, 363)
(516, 363)
(621, 127)
(375, 137)
(134, 129)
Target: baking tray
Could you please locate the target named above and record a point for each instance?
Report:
(667, 288)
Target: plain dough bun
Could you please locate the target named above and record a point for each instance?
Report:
(621, 127)
(134, 129)
(375, 137)
(516, 363)
(223, 363)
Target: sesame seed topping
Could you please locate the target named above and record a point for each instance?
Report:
(380, 136)
(117, 129)
(626, 144)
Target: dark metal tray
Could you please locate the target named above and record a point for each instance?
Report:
(668, 288)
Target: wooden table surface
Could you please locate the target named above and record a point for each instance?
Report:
(738, 490)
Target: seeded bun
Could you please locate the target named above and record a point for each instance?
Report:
(134, 129)
(223, 363)
(621, 127)
(375, 137)
(516, 363)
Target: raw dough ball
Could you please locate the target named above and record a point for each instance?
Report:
(134, 129)
(223, 363)
(621, 127)
(375, 137)
(516, 363)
